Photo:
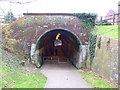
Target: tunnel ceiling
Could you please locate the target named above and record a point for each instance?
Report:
(66, 36)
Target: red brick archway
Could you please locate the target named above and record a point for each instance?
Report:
(69, 50)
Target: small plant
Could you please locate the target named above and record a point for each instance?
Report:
(108, 44)
(99, 43)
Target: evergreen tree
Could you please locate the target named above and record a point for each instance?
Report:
(9, 17)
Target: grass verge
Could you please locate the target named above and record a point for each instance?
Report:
(96, 81)
(108, 31)
(14, 76)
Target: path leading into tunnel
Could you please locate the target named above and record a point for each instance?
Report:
(62, 75)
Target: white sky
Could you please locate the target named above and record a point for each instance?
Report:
(101, 7)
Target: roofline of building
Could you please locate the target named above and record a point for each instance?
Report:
(70, 14)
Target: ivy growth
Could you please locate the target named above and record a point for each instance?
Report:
(92, 45)
(88, 19)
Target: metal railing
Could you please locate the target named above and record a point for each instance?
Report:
(56, 58)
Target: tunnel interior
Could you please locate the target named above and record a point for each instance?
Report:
(58, 43)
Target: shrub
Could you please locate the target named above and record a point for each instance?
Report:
(88, 19)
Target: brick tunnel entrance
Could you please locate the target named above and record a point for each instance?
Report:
(58, 45)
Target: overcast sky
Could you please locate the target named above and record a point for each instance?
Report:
(101, 7)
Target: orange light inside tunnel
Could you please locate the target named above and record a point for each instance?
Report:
(58, 35)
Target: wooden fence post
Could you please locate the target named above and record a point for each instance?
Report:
(113, 19)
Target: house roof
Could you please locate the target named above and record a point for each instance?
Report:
(111, 12)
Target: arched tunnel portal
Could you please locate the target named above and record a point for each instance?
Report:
(58, 44)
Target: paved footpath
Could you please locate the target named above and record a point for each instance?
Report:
(63, 75)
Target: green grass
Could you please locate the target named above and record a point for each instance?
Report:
(108, 31)
(95, 81)
(13, 79)
(13, 76)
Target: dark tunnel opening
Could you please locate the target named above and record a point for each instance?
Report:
(60, 45)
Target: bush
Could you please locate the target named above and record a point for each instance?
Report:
(88, 19)
(103, 22)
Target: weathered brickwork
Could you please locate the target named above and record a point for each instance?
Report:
(37, 25)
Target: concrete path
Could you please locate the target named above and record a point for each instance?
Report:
(62, 75)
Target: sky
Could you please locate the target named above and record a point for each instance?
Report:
(101, 7)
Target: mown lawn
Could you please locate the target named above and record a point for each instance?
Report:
(13, 76)
(96, 81)
(108, 31)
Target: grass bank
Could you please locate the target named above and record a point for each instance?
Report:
(14, 76)
(95, 80)
(108, 31)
